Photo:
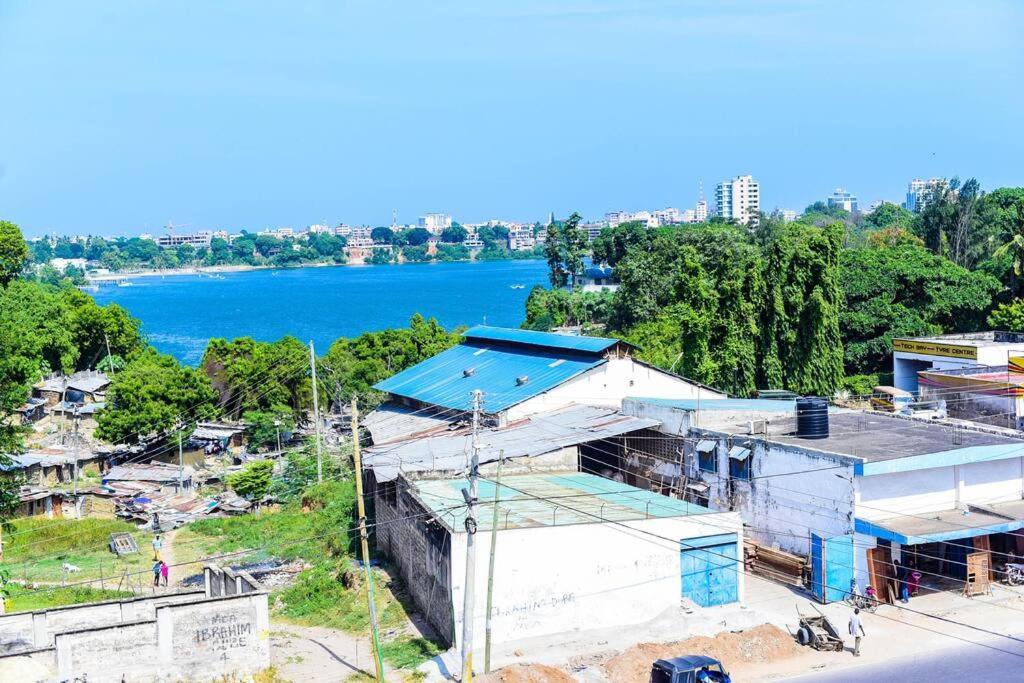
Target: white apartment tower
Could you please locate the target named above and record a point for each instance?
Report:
(700, 212)
(435, 223)
(920, 192)
(739, 199)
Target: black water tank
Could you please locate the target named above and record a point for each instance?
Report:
(812, 417)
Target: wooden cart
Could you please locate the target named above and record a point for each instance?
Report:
(818, 632)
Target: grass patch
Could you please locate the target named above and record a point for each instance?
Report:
(409, 652)
(24, 600)
(35, 548)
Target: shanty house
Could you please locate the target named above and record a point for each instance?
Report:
(87, 386)
(166, 477)
(573, 551)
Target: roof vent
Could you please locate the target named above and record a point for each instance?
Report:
(468, 372)
(522, 379)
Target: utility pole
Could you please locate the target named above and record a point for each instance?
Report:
(316, 415)
(77, 455)
(490, 565)
(110, 365)
(181, 461)
(470, 595)
(364, 547)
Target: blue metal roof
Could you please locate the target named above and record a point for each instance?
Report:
(449, 378)
(549, 340)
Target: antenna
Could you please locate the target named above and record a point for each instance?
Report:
(700, 191)
(394, 217)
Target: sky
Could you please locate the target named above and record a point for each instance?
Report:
(117, 118)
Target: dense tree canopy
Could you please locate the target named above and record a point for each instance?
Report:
(13, 252)
(259, 376)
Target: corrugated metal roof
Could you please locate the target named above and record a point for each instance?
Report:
(549, 499)
(536, 435)
(391, 422)
(711, 403)
(549, 340)
(147, 472)
(498, 370)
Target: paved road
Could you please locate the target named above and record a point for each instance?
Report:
(962, 663)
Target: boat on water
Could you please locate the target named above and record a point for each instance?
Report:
(517, 286)
(125, 283)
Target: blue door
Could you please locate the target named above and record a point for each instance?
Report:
(831, 567)
(708, 567)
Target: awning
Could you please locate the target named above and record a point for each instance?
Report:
(706, 445)
(698, 486)
(739, 453)
(946, 525)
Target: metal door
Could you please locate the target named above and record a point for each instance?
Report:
(709, 569)
(831, 567)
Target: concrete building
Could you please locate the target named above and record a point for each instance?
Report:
(951, 352)
(435, 223)
(739, 199)
(598, 279)
(920, 192)
(198, 239)
(521, 372)
(986, 394)
(575, 551)
(519, 238)
(841, 199)
(875, 488)
(788, 215)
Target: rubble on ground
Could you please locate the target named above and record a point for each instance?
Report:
(527, 673)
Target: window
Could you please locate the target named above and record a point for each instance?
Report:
(739, 462)
(707, 455)
(389, 492)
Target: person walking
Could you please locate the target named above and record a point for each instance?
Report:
(856, 630)
(158, 544)
(156, 572)
(164, 572)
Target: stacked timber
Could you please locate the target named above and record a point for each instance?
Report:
(775, 564)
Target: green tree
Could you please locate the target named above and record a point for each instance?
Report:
(265, 426)
(249, 375)
(612, 244)
(454, 234)
(13, 252)
(253, 482)
(566, 243)
(153, 395)
(382, 235)
(1008, 317)
(890, 215)
(417, 236)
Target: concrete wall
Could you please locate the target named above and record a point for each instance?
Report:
(678, 420)
(793, 492)
(27, 630)
(608, 384)
(562, 579)
(883, 496)
(200, 640)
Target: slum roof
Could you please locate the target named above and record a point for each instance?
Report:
(147, 472)
(22, 461)
(535, 435)
(88, 380)
(548, 499)
(886, 443)
(216, 430)
(394, 422)
(509, 366)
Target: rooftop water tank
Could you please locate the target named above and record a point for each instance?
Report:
(812, 417)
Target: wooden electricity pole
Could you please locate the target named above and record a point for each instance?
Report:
(316, 417)
(364, 546)
(490, 566)
(469, 599)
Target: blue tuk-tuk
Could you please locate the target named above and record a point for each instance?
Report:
(686, 670)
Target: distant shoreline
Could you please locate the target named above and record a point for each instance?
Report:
(241, 268)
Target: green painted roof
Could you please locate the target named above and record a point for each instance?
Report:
(548, 499)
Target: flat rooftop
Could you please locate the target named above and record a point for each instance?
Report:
(878, 438)
(978, 339)
(548, 499)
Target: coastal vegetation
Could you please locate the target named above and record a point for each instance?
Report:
(811, 306)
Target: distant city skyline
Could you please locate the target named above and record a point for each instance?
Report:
(230, 115)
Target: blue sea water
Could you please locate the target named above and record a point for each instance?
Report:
(180, 313)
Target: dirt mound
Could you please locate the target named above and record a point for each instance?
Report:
(765, 643)
(527, 673)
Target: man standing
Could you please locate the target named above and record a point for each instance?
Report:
(156, 572)
(158, 544)
(856, 630)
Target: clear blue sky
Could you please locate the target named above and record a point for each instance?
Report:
(117, 117)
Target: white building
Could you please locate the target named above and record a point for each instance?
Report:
(739, 199)
(198, 239)
(951, 352)
(435, 222)
(520, 237)
(700, 212)
(840, 198)
(787, 215)
(668, 216)
(920, 192)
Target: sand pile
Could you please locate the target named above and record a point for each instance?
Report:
(527, 673)
(765, 643)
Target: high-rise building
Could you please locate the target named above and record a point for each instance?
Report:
(920, 192)
(847, 201)
(435, 223)
(739, 199)
(700, 212)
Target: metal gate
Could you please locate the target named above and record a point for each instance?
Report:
(831, 567)
(709, 569)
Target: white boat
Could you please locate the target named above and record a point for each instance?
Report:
(517, 286)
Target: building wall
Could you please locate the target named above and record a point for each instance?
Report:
(791, 494)
(562, 579)
(997, 481)
(611, 382)
(418, 549)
